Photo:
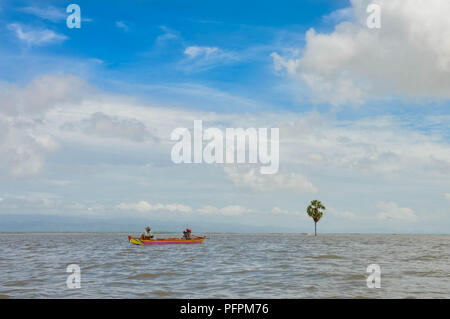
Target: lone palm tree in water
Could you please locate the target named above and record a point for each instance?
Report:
(315, 210)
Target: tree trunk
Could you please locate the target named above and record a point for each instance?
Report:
(315, 228)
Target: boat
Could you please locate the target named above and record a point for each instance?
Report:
(166, 241)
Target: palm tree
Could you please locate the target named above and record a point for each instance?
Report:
(315, 210)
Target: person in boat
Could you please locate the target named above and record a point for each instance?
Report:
(148, 234)
(187, 234)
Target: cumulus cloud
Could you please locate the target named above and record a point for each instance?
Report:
(41, 94)
(23, 152)
(34, 36)
(250, 178)
(144, 206)
(107, 126)
(392, 211)
(371, 145)
(408, 57)
(381, 145)
(23, 143)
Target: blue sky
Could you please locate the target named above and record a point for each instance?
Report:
(86, 114)
(143, 42)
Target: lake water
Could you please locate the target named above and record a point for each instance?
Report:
(226, 266)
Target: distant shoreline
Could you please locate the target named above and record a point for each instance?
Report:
(214, 233)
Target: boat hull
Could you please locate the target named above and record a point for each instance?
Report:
(167, 241)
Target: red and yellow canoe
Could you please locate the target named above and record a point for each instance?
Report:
(167, 241)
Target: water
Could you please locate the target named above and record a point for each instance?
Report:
(226, 266)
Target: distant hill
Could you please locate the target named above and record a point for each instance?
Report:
(53, 223)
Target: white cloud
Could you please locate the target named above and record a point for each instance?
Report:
(341, 214)
(23, 140)
(206, 52)
(439, 165)
(107, 126)
(250, 178)
(54, 14)
(205, 95)
(34, 36)
(231, 210)
(278, 211)
(144, 206)
(447, 195)
(122, 25)
(200, 58)
(168, 35)
(23, 152)
(339, 16)
(34, 199)
(41, 94)
(49, 13)
(392, 211)
(408, 57)
(376, 145)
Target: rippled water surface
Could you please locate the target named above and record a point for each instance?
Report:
(226, 266)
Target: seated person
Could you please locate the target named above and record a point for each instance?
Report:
(148, 234)
(187, 234)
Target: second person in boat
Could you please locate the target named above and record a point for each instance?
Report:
(187, 234)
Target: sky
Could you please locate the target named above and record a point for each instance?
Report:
(86, 115)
